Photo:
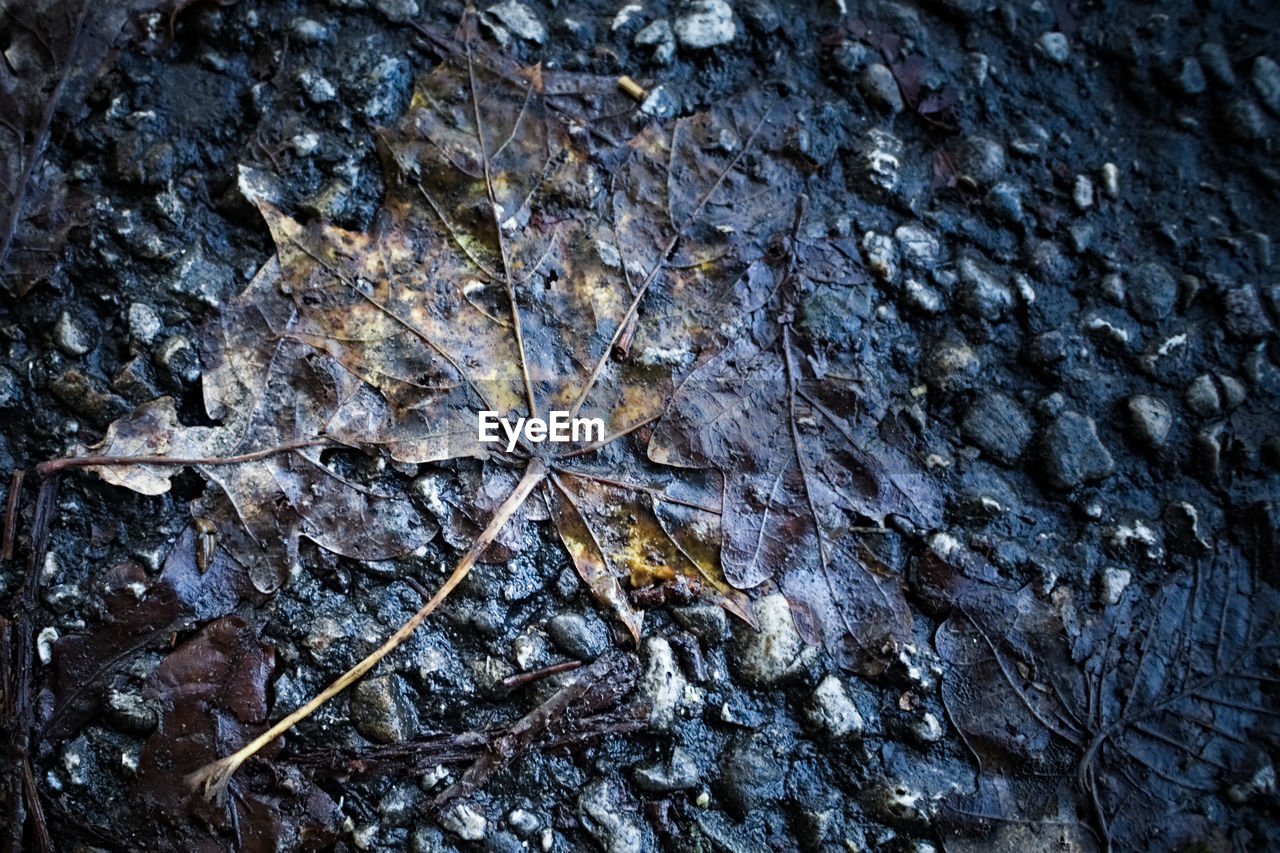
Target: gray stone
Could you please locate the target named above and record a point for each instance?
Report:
(662, 683)
(383, 91)
(953, 365)
(523, 822)
(1113, 584)
(464, 822)
(879, 162)
(1073, 453)
(614, 829)
(923, 296)
(776, 652)
(144, 323)
(660, 103)
(707, 621)
(928, 729)
(1054, 46)
(381, 711)
(659, 36)
(752, 776)
(1246, 121)
(1206, 452)
(10, 392)
(1217, 63)
(880, 88)
(984, 294)
(210, 282)
(1201, 396)
(900, 803)
(761, 15)
(997, 424)
(397, 11)
(706, 23)
(1266, 80)
(981, 160)
(584, 637)
(831, 712)
(71, 337)
(318, 88)
(1233, 392)
(519, 19)
(129, 712)
(1243, 314)
(309, 31)
(1191, 76)
(882, 255)
(677, 773)
(1150, 419)
(1152, 292)
(917, 245)
(1082, 193)
(1005, 199)
(81, 394)
(179, 358)
(851, 55)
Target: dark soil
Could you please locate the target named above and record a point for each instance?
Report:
(1077, 328)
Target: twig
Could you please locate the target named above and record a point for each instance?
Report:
(23, 798)
(11, 515)
(44, 469)
(513, 681)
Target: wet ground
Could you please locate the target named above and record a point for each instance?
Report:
(1067, 214)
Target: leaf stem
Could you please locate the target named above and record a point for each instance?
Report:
(52, 466)
(215, 776)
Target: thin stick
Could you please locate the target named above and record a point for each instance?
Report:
(44, 469)
(521, 678)
(11, 515)
(215, 776)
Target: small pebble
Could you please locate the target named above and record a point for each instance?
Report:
(1113, 584)
(519, 19)
(1054, 46)
(1217, 64)
(1266, 80)
(1082, 192)
(831, 711)
(144, 323)
(70, 336)
(1073, 453)
(1191, 77)
(1201, 396)
(880, 87)
(706, 23)
(1110, 179)
(1150, 419)
(464, 822)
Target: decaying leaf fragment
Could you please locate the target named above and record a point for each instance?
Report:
(802, 464)
(1110, 729)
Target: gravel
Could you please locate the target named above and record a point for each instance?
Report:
(1069, 331)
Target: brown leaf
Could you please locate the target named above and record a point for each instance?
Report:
(212, 691)
(500, 275)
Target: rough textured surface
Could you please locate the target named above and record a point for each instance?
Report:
(1071, 309)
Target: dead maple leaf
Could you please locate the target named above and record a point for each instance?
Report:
(514, 271)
